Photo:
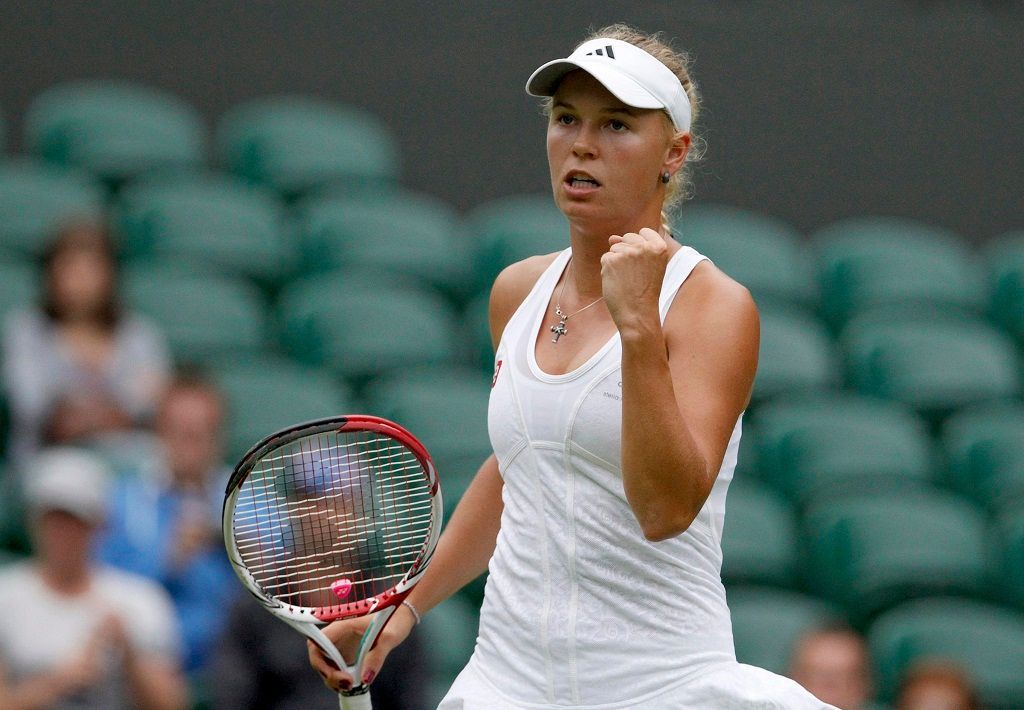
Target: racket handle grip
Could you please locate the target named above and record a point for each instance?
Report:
(359, 701)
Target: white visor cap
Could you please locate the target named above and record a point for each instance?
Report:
(69, 479)
(632, 75)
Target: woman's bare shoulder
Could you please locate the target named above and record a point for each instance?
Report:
(712, 334)
(710, 295)
(711, 282)
(511, 288)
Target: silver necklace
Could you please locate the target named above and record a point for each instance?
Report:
(559, 328)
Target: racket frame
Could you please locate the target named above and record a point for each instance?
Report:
(309, 620)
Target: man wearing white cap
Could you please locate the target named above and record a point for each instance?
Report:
(74, 634)
(623, 365)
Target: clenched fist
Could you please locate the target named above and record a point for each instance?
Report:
(631, 274)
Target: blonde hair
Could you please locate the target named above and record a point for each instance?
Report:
(680, 187)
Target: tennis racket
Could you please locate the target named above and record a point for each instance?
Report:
(334, 519)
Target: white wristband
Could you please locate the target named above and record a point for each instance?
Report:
(415, 613)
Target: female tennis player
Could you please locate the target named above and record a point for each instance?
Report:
(623, 365)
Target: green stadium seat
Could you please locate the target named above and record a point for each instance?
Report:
(762, 253)
(7, 558)
(449, 631)
(509, 229)
(476, 321)
(361, 325)
(399, 232)
(934, 365)
(767, 623)
(866, 262)
(267, 393)
(759, 541)
(747, 464)
(1005, 260)
(839, 444)
(446, 408)
(295, 144)
(871, 552)
(203, 314)
(115, 130)
(209, 219)
(796, 355)
(5, 425)
(18, 286)
(14, 536)
(1008, 538)
(985, 453)
(986, 640)
(36, 199)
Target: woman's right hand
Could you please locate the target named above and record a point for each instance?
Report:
(346, 634)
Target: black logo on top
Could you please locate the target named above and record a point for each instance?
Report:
(606, 52)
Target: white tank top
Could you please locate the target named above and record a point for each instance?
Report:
(580, 609)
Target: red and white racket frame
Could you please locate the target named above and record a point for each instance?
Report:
(309, 620)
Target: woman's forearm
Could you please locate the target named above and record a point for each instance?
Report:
(665, 476)
(467, 544)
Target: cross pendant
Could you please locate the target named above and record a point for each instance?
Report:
(559, 330)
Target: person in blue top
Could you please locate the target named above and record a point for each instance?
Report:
(165, 522)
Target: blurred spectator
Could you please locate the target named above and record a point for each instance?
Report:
(936, 685)
(261, 664)
(75, 634)
(165, 523)
(77, 365)
(832, 662)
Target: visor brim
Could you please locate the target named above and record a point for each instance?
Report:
(545, 80)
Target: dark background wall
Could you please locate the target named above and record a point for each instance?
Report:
(813, 110)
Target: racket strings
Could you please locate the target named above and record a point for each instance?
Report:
(402, 556)
(263, 495)
(333, 506)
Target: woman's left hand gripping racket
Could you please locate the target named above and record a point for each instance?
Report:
(334, 519)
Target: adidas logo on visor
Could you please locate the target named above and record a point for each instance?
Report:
(606, 52)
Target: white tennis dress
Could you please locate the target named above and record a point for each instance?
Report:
(580, 610)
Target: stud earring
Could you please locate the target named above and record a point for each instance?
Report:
(665, 177)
